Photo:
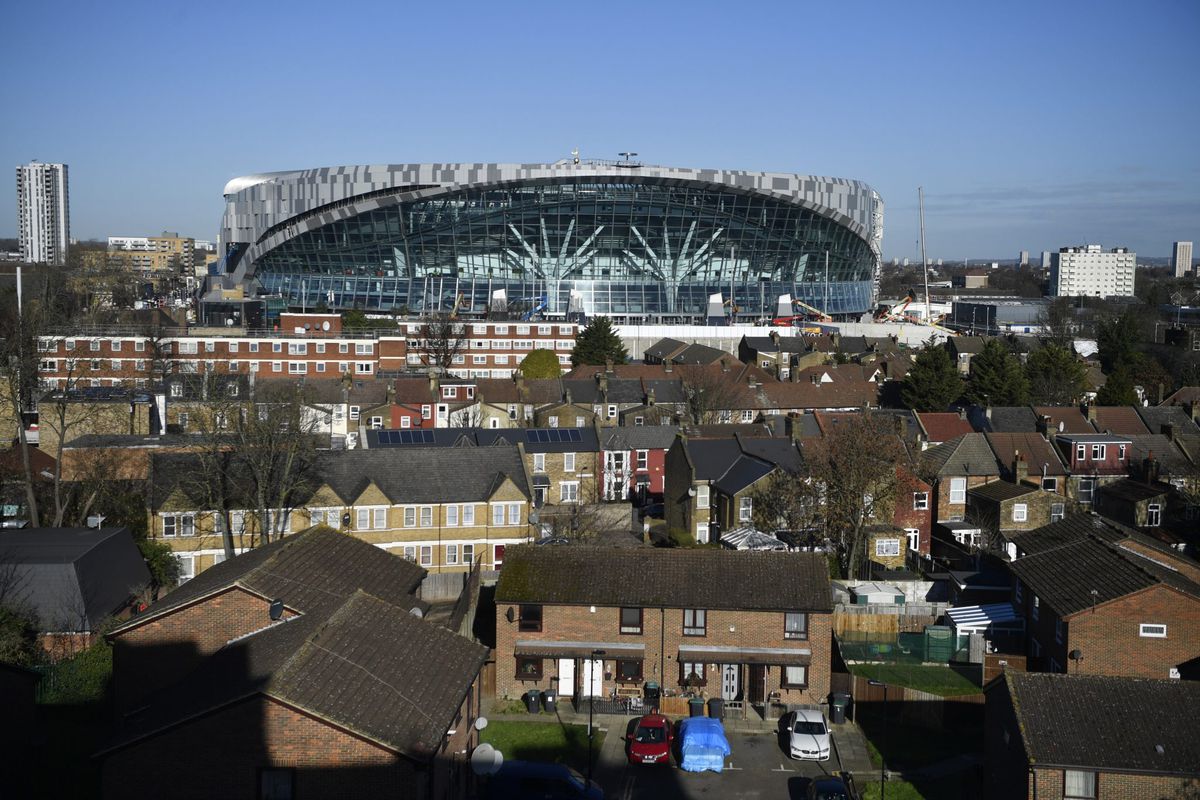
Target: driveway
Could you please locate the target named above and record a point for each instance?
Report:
(757, 768)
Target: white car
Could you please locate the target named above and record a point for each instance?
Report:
(808, 734)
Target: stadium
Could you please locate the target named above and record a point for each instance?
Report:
(617, 238)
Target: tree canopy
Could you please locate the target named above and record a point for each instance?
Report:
(997, 377)
(598, 343)
(541, 363)
(1056, 376)
(1118, 389)
(933, 382)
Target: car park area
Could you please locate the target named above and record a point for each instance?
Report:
(758, 767)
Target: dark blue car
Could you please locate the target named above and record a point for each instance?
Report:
(532, 780)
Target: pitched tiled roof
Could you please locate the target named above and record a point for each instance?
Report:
(1135, 490)
(655, 577)
(1010, 419)
(361, 664)
(638, 437)
(664, 348)
(1034, 449)
(1118, 419)
(307, 571)
(1065, 576)
(784, 344)
(1156, 417)
(968, 454)
(1067, 530)
(1065, 419)
(420, 475)
(1171, 460)
(699, 354)
(942, 426)
(1186, 394)
(1108, 724)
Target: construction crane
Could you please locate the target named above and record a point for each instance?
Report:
(810, 313)
(538, 307)
(458, 303)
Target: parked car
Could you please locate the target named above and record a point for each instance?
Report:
(829, 789)
(807, 734)
(518, 780)
(649, 740)
(703, 744)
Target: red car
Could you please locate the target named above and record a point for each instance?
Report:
(649, 740)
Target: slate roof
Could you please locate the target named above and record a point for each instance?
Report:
(361, 664)
(1185, 394)
(308, 571)
(664, 348)
(1157, 416)
(967, 344)
(699, 578)
(942, 426)
(1034, 449)
(1171, 460)
(70, 578)
(699, 354)
(999, 491)
(1117, 419)
(1065, 419)
(1067, 530)
(541, 440)
(1010, 419)
(1065, 576)
(1135, 490)
(968, 454)
(638, 437)
(785, 344)
(1107, 724)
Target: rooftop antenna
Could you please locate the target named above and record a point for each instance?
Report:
(924, 260)
(575, 156)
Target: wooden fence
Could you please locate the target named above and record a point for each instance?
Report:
(883, 620)
(916, 707)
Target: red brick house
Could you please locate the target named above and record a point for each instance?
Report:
(1094, 606)
(1093, 459)
(298, 669)
(962, 463)
(633, 460)
(753, 628)
(1060, 737)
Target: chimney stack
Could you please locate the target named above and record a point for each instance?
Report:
(1150, 469)
(1089, 411)
(434, 382)
(1020, 470)
(1168, 430)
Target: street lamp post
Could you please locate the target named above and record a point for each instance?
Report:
(591, 705)
(882, 758)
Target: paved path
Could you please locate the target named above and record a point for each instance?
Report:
(851, 748)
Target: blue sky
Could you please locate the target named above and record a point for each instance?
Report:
(1031, 125)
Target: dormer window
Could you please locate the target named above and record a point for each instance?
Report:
(1099, 452)
(1080, 452)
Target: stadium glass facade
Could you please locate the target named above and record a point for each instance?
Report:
(625, 243)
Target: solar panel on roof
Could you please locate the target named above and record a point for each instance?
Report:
(427, 437)
(575, 436)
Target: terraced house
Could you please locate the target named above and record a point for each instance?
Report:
(753, 628)
(445, 509)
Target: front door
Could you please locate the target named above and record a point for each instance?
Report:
(758, 682)
(566, 677)
(731, 681)
(592, 683)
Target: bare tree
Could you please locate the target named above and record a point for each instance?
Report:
(861, 467)
(442, 338)
(786, 502)
(710, 393)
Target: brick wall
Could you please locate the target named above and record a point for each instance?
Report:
(943, 509)
(220, 755)
(662, 636)
(1111, 643)
(1049, 783)
(154, 655)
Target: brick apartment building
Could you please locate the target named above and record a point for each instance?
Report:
(301, 669)
(1067, 736)
(303, 345)
(1120, 610)
(751, 627)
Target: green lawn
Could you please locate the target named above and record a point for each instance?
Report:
(548, 741)
(935, 680)
(943, 789)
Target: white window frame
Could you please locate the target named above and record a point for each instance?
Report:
(745, 509)
(643, 460)
(1151, 630)
(702, 496)
(410, 516)
(468, 516)
(920, 501)
(1099, 452)
(468, 554)
(914, 538)
(539, 462)
(701, 533)
(887, 548)
(451, 516)
(568, 462)
(568, 492)
(426, 520)
(1153, 515)
(426, 555)
(378, 518)
(958, 491)
(451, 555)
(362, 519)
(1020, 512)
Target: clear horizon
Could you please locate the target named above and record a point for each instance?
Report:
(1031, 126)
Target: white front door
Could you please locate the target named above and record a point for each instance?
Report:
(566, 677)
(731, 683)
(592, 684)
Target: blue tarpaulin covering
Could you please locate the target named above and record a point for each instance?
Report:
(704, 744)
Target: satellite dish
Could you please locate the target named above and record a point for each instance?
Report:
(308, 326)
(325, 325)
(480, 723)
(416, 612)
(276, 610)
(486, 760)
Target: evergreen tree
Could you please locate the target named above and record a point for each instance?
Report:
(597, 343)
(1118, 389)
(997, 377)
(933, 382)
(1119, 339)
(1056, 376)
(541, 363)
